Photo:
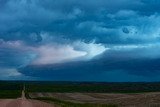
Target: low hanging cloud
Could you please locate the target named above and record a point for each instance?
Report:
(58, 50)
(58, 53)
(92, 49)
(48, 52)
(9, 73)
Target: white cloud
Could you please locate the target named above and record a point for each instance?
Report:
(50, 54)
(92, 48)
(13, 74)
(13, 44)
(130, 47)
(9, 72)
(56, 53)
(138, 50)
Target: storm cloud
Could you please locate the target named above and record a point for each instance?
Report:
(77, 40)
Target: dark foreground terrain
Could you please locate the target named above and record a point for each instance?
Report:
(22, 101)
(81, 94)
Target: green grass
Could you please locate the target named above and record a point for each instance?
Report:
(62, 103)
(10, 89)
(10, 94)
(92, 87)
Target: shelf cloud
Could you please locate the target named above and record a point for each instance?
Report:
(92, 39)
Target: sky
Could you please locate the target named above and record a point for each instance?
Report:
(76, 40)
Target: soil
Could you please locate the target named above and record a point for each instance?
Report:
(123, 100)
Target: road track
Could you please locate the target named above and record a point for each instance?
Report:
(23, 102)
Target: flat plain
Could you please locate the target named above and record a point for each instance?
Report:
(151, 99)
(78, 94)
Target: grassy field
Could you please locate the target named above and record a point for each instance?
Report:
(62, 103)
(5, 94)
(10, 89)
(92, 87)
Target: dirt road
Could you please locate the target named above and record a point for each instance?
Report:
(23, 102)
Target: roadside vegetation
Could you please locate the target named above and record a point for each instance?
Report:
(10, 89)
(5, 94)
(92, 87)
(62, 103)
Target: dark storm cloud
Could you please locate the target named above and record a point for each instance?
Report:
(103, 20)
(88, 33)
(83, 70)
(27, 17)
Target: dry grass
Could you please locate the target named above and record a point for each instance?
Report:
(123, 100)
